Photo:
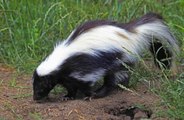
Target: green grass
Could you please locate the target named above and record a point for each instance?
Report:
(172, 94)
(8, 106)
(1, 118)
(169, 89)
(13, 83)
(30, 29)
(35, 116)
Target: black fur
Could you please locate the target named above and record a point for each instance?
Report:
(72, 85)
(43, 85)
(89, 63)
(108, 85)
(84, 64)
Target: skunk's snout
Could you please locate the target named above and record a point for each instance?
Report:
(35, 97)
(39, 97)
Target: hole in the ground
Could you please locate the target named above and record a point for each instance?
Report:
(132, 112)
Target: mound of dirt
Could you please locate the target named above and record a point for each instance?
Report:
(16, 103)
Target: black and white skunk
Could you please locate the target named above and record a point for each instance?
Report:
(103, 49)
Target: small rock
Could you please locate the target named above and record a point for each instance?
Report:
(127, 118)
(140, 115)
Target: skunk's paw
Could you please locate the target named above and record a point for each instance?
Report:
(89, 98)
(66, 98)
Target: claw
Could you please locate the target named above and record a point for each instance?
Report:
(66, 98)
(88, 98)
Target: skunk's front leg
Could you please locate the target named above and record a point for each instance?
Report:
(89, 94)
(107, 87)
(89, 98)
(72, 91)
(86, 89)
(70, 95)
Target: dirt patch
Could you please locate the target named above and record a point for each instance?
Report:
(16, 103)
(131, 112)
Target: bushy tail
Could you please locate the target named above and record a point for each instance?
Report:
(152, 31)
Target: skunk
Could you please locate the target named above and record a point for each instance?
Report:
(103, 49)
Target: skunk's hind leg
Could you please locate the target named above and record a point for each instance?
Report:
(86, 89)
(122, 77)
(107, 87)
(71, 88)
(111, 82)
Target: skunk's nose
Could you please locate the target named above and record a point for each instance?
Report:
(35, 97)
(40, 99)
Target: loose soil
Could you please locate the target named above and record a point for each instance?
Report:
(16, 103)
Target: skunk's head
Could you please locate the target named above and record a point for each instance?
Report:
(42, 85)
